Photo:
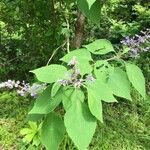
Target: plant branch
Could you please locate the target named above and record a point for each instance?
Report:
(54, 52)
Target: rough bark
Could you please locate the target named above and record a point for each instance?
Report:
(79, 30)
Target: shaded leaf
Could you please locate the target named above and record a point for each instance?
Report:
(93, 12)
(52, 132)
(80, 124)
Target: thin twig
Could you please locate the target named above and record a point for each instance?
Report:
(112, 58)
(68, 41)
(54, 52)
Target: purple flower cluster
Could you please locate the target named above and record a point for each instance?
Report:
(10, 84)
(138, 43)
(74, 77)
(22, 88)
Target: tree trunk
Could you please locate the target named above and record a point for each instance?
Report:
(79, 30)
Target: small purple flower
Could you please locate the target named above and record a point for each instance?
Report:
(18, 82)
(9, 84)
(21, 92)
(23, 88)
(138, 43)
(78, 83)
(16, 85)
(77, 71)
(63, 82)
(73, 62)
(33, 94)
(90, 78)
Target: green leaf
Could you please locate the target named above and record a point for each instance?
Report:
(52, 132)
(44, 103)
(66, 98)
(136, 77)
(33, 125)
(80, 124)
(83, 57)
(95, 106)
(29, 137)
(34, 117)
(83, 6)
(93, 12)
(50, 74)
(36, 140)
(26, 131)
(102, 69)
(101, 91)
(90, 3)
(78, 95)
(70, 95)
(119, 83)
(56, 86)
(100, 47)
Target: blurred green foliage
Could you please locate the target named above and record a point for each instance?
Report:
(32, 30)
(121, 18)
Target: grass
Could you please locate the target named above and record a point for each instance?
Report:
(12, 118)
(126, 125)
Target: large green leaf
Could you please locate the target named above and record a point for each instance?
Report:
(83, 57)
(102, 69)
(119, 83)
(80, 124)
(93, 12)
(50, 74)
(52, 132)
(136, 77)
(101, 46)
(95, 106)
(101, 91)
(70, 95)
(45, 104)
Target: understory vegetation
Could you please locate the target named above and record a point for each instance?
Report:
(126, 125)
